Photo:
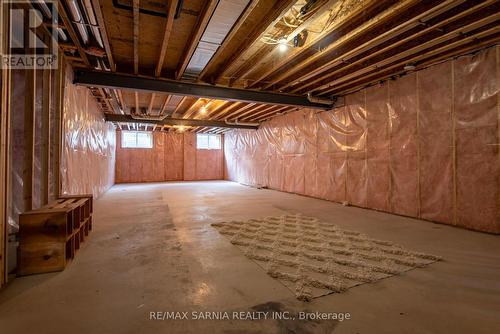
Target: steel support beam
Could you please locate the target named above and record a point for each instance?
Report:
(154, 85)
(177, 121)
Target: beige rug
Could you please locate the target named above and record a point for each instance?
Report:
(313, 258)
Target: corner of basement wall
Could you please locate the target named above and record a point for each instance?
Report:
(88, 148)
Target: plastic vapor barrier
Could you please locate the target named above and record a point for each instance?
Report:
(88, 158)
(16, 195)
(425, 145)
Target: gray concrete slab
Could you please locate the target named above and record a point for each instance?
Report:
(153, 250)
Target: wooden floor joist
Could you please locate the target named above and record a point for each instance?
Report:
(349, 43)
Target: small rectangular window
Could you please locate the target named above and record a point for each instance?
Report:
(137, 139)
(208, 142)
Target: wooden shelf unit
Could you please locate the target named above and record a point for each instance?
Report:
(50, 236)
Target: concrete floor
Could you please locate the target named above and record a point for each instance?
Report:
(153, 249)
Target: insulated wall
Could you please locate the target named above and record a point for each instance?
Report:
(424, 145)
(88, 157)
(174, 157)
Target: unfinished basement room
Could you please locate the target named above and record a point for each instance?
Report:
(250, 166)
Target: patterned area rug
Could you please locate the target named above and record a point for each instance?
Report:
(313, 258)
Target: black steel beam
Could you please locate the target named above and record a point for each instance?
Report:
(148, 84)
(177, 121)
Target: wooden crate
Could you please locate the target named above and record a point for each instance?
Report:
(50, 236)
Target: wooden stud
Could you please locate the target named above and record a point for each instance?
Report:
(4, 143)
(46, 138)
(58, 120)
(29, 134)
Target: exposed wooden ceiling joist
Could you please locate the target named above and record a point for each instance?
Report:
(69, 27)
(234, 113)
(279, 9)
(369, 41)
(232, 33)
(323, 71)
(484, 39)
(104, 33)
(164, 105)
(226, 110)
(136, 36)
(449, 40)
(201, 24)
(266, 56)
(302, 58)
(178, 107)
(360, 55)
(212, 111)
(172, 6)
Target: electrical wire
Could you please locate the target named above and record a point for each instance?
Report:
(331, 19)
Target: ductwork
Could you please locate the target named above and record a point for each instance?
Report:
(147, 118)
(89, 10)
(46, 12)
(236, 122)
(320, 100)
(224, 17)
(77, 17)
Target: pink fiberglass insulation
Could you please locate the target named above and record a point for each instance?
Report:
(174, 157)
(88, 157)
(161, 163)
(425, 145)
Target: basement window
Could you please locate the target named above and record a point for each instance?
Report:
(137, 139)
(208, 142)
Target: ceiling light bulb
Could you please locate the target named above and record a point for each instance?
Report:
(203, 110)
(283, 44)
(181, 128)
